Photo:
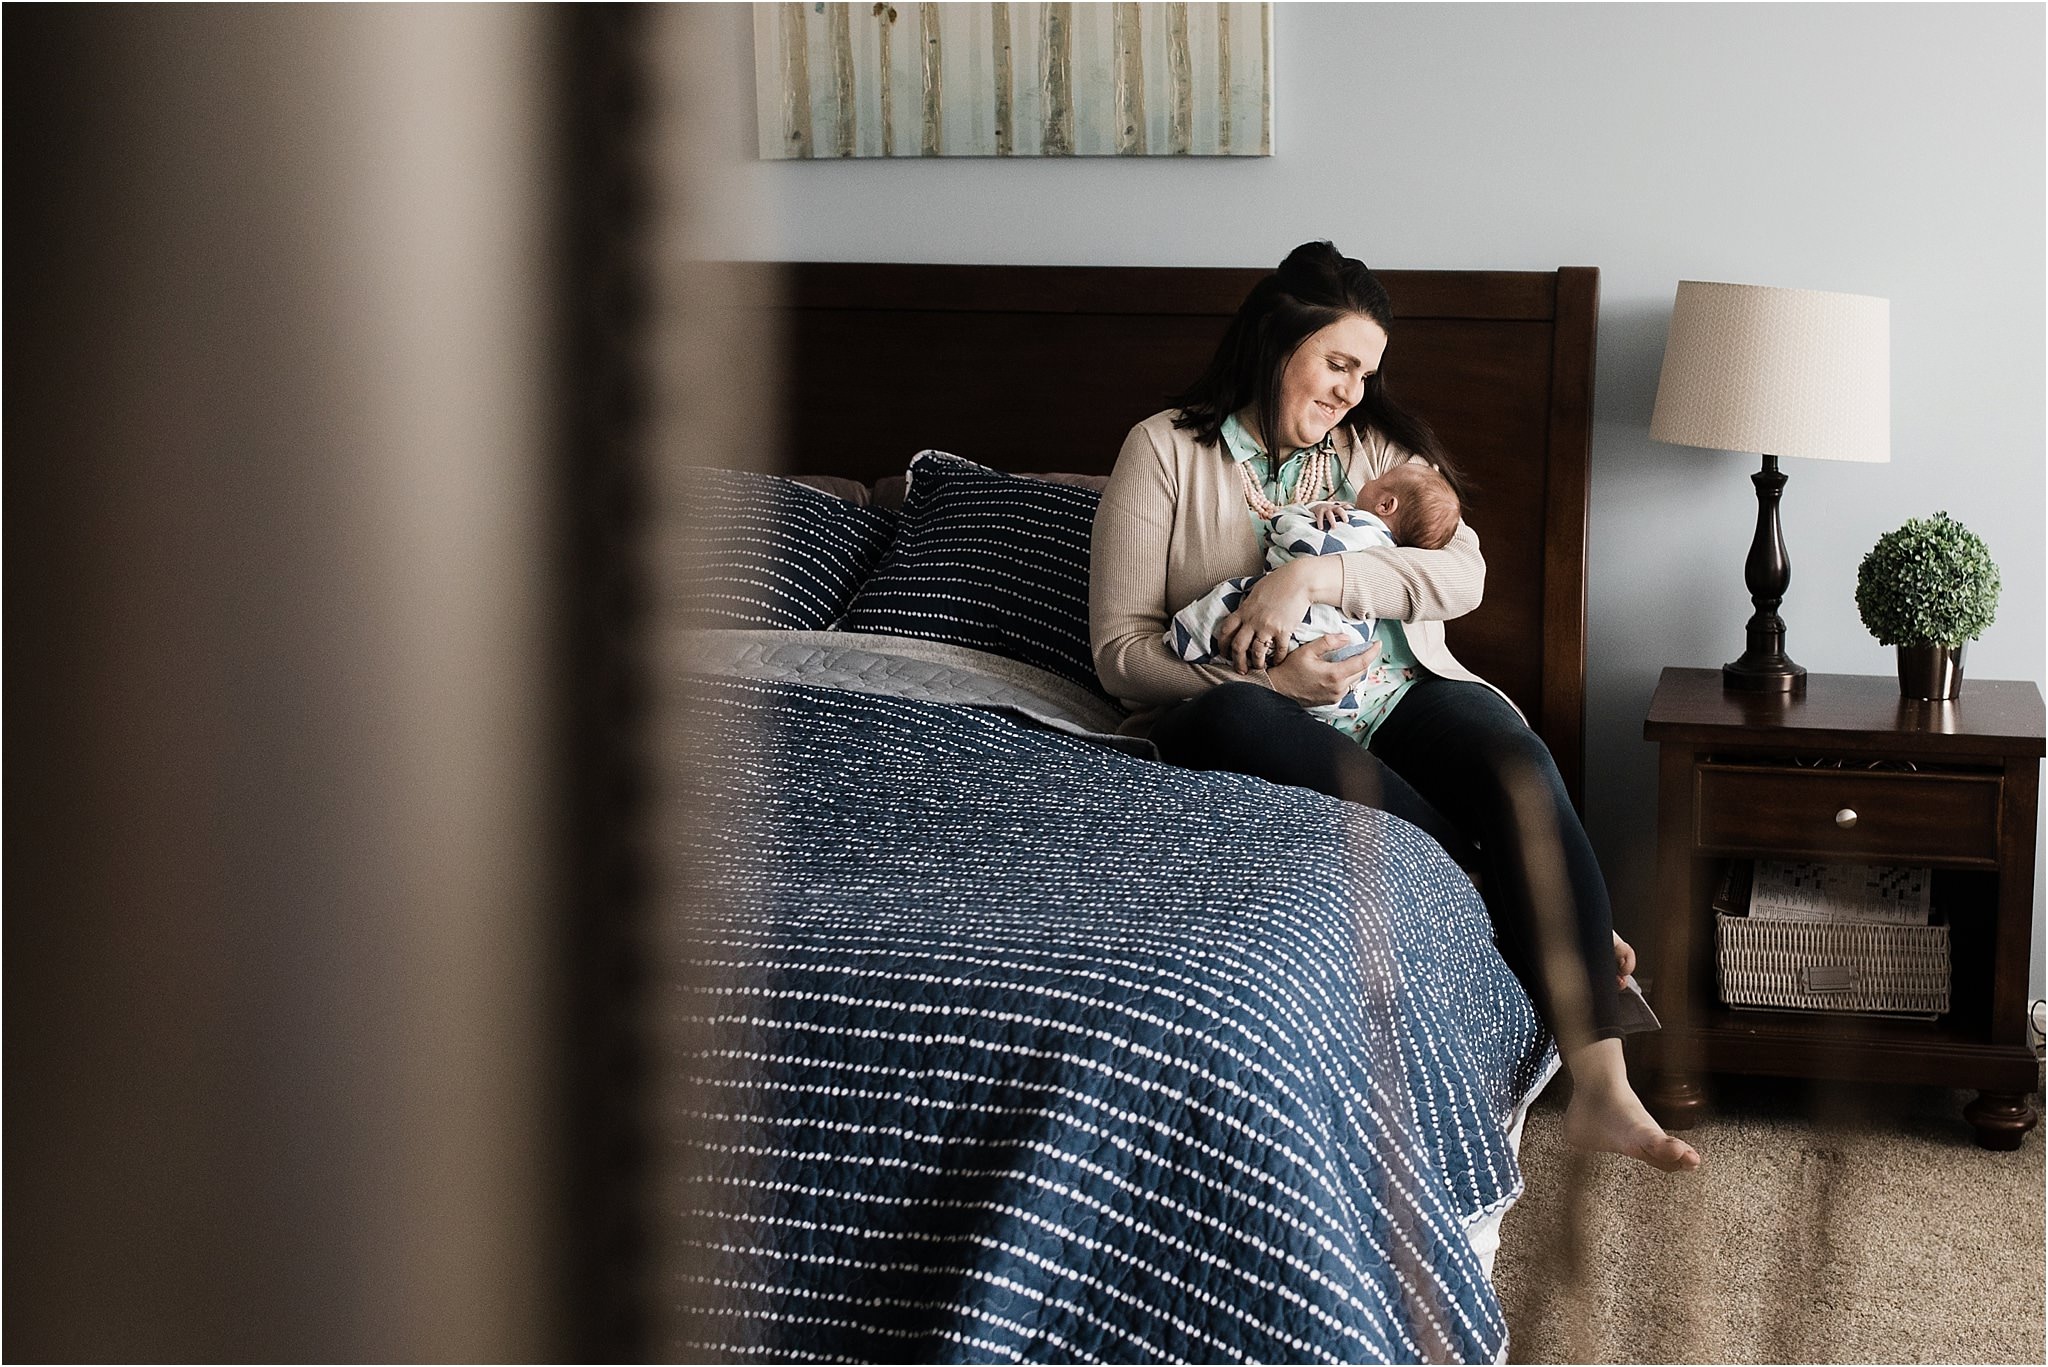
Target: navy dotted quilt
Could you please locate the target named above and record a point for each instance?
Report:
(1005, 1046)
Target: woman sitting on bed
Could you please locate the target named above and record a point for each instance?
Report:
(1297, 374)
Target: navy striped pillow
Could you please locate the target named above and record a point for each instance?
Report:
(990, 560)
(770, 552)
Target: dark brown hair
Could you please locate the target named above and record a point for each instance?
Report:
(1429, 511)
(1315, 286)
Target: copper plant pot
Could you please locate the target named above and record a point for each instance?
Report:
(1932, 673)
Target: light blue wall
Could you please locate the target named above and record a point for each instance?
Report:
(1894, 150)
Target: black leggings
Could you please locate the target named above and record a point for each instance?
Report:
(1455, 760)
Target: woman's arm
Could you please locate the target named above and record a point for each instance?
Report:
(1127, 607)
(1402, 582)
(1411, 585)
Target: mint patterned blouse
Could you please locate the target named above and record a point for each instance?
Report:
(1378, 701)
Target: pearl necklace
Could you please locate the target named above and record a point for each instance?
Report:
(1314, 478)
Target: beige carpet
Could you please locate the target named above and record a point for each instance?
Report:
(1826, 1225)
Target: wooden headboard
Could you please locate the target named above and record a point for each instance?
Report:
(1045, 368)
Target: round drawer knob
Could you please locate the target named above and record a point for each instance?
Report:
(1845, 818)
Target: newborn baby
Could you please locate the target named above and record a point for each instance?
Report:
(1410, 505)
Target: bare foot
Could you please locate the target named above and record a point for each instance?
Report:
(1615, 1122)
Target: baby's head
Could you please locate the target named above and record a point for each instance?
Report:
(1416, 502)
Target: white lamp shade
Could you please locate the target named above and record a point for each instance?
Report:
(1777, 372)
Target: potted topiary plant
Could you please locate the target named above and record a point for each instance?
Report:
(1928, 588)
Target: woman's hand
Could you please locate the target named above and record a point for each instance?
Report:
(1261, 631)
(1313, 681)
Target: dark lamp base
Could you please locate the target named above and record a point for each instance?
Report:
(1764, 667)
(1767, 676)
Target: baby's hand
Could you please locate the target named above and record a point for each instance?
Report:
(1329, 513)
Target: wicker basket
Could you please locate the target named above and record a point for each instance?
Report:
(1833, 966)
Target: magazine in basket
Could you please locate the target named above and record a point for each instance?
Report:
(1850, 938)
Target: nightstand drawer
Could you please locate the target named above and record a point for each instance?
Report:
(1837, 814)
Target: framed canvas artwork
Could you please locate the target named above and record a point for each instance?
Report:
(904, 79)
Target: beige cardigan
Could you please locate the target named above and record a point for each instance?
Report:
(1173, 525)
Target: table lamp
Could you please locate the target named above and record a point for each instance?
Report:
(1782, 373)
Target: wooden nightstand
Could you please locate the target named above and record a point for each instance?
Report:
(1848, 773)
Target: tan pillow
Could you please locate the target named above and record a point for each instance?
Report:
(852, 490)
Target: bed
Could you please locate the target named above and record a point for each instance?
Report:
(982, 1035)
